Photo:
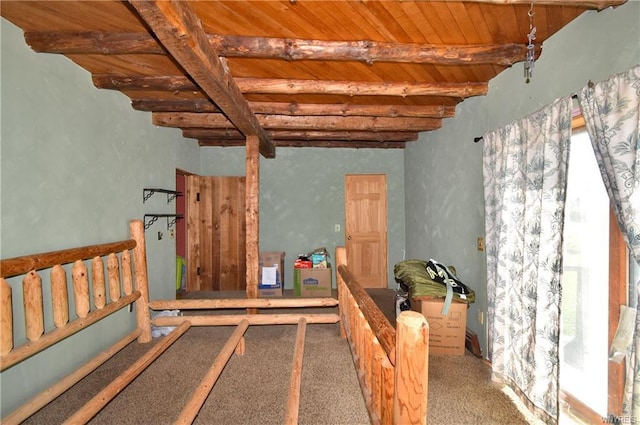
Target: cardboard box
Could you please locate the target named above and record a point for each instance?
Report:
(312, 282)
(446, 333)
(271, 274)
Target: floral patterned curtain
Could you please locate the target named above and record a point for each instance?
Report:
(525, 170)
(612, 115)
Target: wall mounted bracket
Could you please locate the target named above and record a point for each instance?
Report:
(171, 194)
(171, 219)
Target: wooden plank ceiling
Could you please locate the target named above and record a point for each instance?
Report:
(298, 73)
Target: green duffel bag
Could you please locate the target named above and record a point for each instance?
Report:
(413, 274)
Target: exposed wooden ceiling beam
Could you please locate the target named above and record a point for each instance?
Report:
(281, 86)
(205, 120)
(280, 108)
(356, 144)
(308, 135)
(290, 49)
(181, 33)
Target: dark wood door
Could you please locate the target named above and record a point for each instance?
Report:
(216, 233)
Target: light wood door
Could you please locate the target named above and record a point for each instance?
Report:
(365, 209)
(216, 233)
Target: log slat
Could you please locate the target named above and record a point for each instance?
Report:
(97, 281)
(33, 306)
(293, 401)
(101, 399)
(21, 265)
(254, 319)
(59, 296)
(241, 303)
(190, 411)
(80, 288)
(113, 269)
(127, 276)
(6, 317)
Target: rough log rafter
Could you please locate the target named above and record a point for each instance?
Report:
(305, 135)
(289, 49)
(356, 144)
(279, 108)
(204, 120)
(290, 86)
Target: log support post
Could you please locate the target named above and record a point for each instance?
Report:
(252, 193)
(141, 279)
(412, 369)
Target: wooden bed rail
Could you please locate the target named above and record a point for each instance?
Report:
(392, 364)
(97, 292)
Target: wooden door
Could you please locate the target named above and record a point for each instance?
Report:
(216, 233)
(365, 209)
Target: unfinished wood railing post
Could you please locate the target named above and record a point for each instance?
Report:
(6, 318)
(33, 307)
(99, 290)
(113, 268)
(412, 368)
(127, 277)
(80, 288)
(143, 314)
(59, 296)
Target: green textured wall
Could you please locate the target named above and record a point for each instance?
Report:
(302, 196)
(73, 162)
(443, 171)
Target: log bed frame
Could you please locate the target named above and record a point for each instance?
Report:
(392, 364)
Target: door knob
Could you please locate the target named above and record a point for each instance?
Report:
(349, 237)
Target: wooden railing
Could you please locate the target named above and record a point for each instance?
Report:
(116, 277)
(392, 364)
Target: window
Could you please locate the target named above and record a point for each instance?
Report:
(594, 286)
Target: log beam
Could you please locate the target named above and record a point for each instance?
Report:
(186, 120)
(289, 49)
(181, 33)
(355, 144)
(177, 83)
(297, 109)
(308, 135)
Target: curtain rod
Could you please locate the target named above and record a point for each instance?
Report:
(573, 96)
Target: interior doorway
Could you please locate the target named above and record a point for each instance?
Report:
(211, 238)
(365, 209)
